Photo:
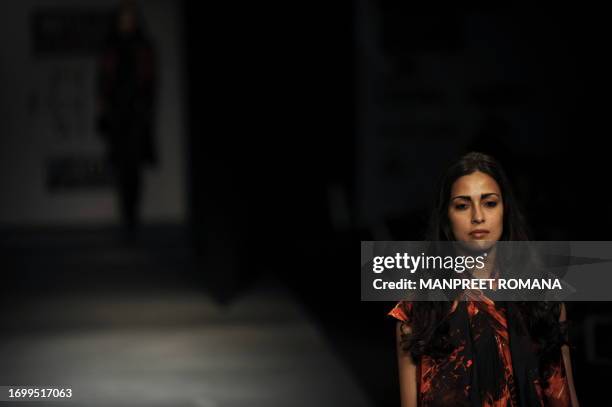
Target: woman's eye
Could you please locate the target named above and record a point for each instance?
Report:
(460, 206)
(491, 204)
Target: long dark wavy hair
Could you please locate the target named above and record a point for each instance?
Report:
(429, 329)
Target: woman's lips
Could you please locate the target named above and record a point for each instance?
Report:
(479, 233)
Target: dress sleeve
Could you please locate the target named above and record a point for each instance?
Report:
(402, 311)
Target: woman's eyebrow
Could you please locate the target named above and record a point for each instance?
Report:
(468, 198)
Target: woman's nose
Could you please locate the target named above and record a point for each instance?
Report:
(477, 216)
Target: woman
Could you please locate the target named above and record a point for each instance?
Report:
(475, 352)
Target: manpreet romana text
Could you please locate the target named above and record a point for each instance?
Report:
(467, 284)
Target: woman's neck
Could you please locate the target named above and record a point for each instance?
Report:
(489, 266)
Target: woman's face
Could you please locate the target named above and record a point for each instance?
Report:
(476, 210)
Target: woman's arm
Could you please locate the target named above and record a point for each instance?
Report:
(565, 352)
(407, 370)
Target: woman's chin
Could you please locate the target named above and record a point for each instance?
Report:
(478, 244)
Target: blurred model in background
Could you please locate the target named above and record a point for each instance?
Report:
(126, 86)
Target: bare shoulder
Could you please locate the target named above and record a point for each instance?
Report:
(563, 313)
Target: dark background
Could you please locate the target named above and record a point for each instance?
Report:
(312, 127)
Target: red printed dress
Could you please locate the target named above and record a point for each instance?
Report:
(454, 381)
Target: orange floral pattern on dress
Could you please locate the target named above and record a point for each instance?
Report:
(446, 382)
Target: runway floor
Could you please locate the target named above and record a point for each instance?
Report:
(158, 343)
